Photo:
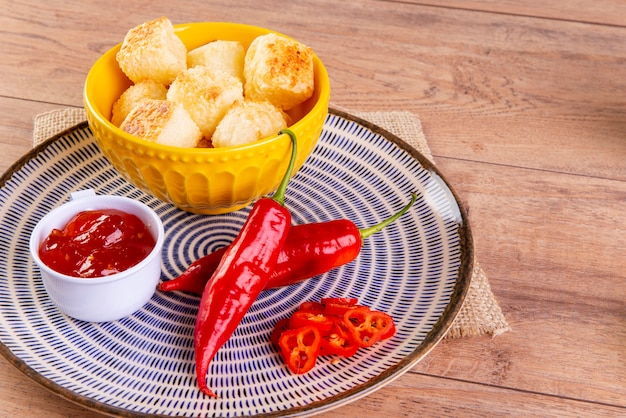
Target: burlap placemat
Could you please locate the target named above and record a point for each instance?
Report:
(480, 313)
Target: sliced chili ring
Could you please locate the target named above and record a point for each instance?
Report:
(367, 326)
(311, 307)
(338, 306)
(315, 319)
(281, 325)
(390, 333)
(300, 348)
(338, 341)
(342, 301)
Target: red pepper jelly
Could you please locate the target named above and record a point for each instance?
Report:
(97, 243)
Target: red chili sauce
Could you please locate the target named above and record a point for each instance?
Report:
(97, 243)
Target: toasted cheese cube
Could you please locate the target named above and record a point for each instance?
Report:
(206, 95)
(248, 121)
(225, 56)
(162, 122)
(152, 51)
(280, 70)
(135, 94)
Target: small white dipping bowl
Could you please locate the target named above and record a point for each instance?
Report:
(105, 298)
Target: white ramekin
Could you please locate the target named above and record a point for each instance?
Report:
(106, 298)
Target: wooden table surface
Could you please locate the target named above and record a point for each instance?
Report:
(523, 103)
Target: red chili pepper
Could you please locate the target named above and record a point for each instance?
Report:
(243, 272)
(196, 276)
(310, 250)
(367, 326)
(300, 348)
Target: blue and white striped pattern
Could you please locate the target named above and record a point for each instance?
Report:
(416, 270)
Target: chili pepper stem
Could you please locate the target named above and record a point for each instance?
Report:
(366, 232)
(279, 195)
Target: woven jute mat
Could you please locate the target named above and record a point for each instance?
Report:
(480, 313)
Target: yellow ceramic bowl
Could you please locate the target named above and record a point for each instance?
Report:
(201, 180)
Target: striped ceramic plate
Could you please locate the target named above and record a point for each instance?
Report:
(417, 269)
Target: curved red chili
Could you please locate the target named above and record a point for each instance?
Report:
(310, 250)
(242, 273)
(196, 276)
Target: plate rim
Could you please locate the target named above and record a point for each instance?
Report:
(434, 336)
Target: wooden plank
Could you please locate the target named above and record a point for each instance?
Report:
(566, 306)
(605, 12)
(506, 90)
(16, 128)
(428, 396)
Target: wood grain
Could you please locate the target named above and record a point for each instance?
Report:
(558, 299)
(16, 128)
(523, 104)
(413, 395)
(603, 12)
